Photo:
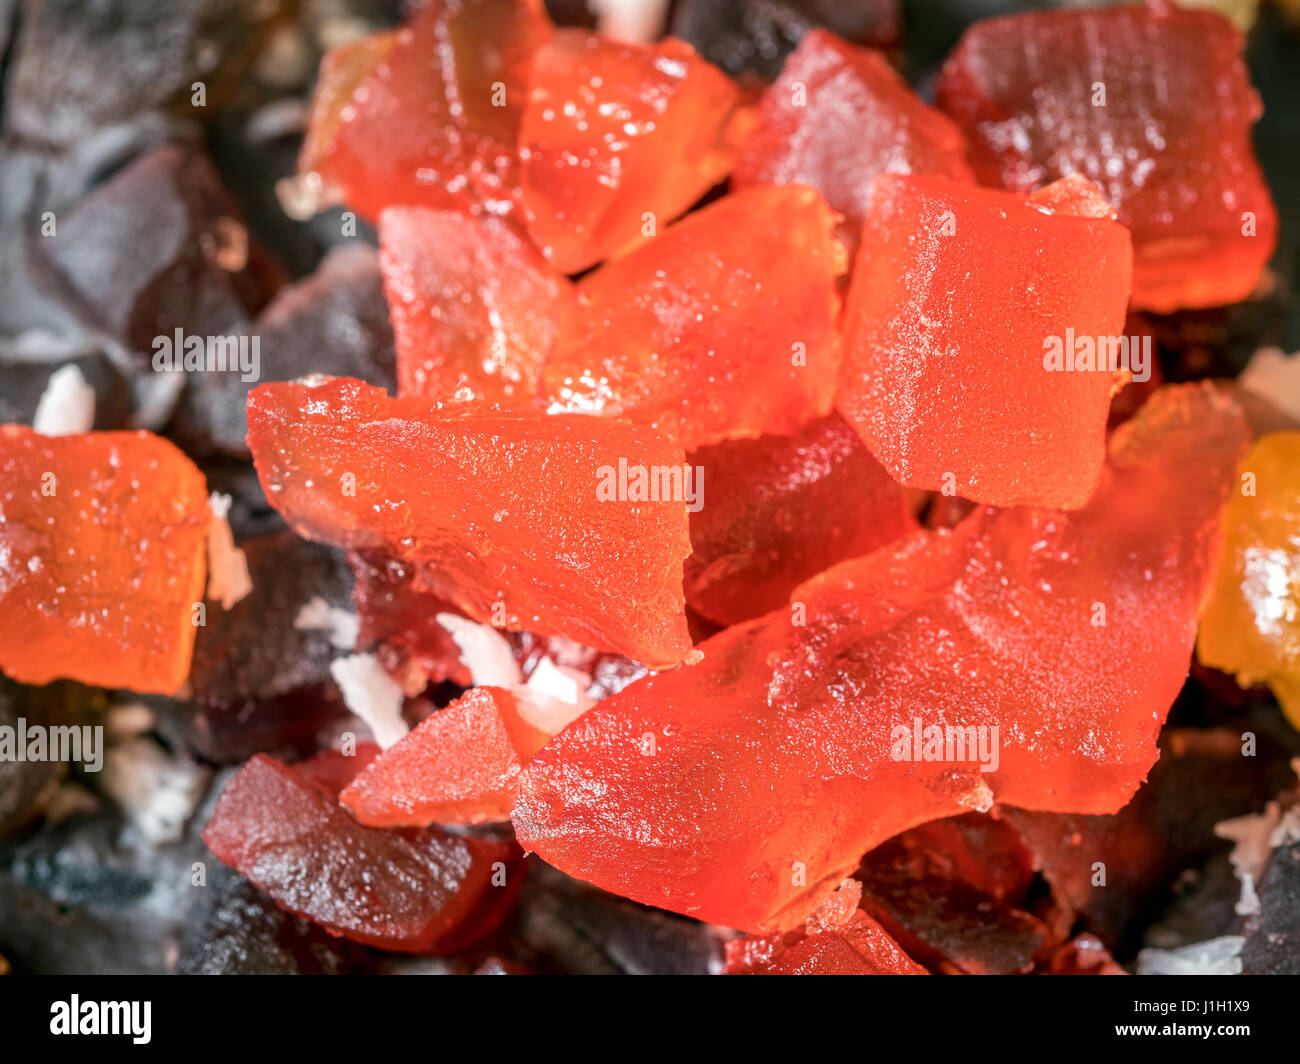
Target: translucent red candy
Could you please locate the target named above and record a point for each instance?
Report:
(781, 509)
(508, 511)
(724, 326)
(742, 789)
(1153, 104)
(960, 297)
(459, 766)
(414, 891)
(102, 540)
(618, 139)
(435, 120)
(476, 309)
(836, 117)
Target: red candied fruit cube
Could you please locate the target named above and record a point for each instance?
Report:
(506, 509)
(476, 309)
(781, 509)
(618, 139)
(102, 540)
(958, 297)
(459, 766)
(1154, 105)
(724, 326)
(838, 116)
(342, 70)
(742, 789)
(411, 891)
(436, 121)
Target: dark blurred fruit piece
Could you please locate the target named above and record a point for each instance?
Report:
(743, 788)
(476, 309)
(1151, 103)
(459, 766)
(235, 930)
(23, 381)
(754, 37)
(102, 556)
(158, 248)
(838, 939)
(508, 508)
(250, 514)
(1273, 935)
(333, 322)
(782, 509)
(684, 334)
(435, 120)
(838, 116)
(79, 67)
(1114, 871)
(957, 296)
(405, 890)
(955, 890)
(25, 784)
(260, 681)
(618, 140)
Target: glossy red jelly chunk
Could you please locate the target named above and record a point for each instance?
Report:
(525, 521)
(742, 789)
(459, 766)
(836, 117)
(437, 119)
(724, 326)
(618, 139)
(476, 309)
(781, 509)
(102, 541)
(960, 299)
(1152, 104)
(414, 891)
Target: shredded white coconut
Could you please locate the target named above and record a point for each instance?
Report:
(372, 695)
(484, 651)
(228, 579)
(1217, 956)
(635, 21)
(341, 627)
(67, 405)
(158, 792)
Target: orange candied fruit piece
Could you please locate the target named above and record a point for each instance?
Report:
(723, 327)
(101, 556)
(618, 139)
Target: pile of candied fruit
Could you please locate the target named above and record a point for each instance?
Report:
(771, 509)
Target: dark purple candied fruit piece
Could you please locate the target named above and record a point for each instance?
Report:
(412, 891)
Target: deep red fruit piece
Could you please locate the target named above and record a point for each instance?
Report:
(742, 789)
(618, 139)
(836, 117)
(723, 327)
(476, 309)
(1154, 105)
(459, 766)
(960, 297)
(507, 511)
(435, 120)
(781, 509)
(406, 890)
(102, 540)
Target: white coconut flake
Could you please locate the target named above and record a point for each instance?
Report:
(341, 627)
(372, 695)
(128, 719)
(1274, 376)
(635, 21)
(1217, 956)
(484, 651)
(1254, 837)
(67, 405)
(228, 579)
(559, 681)
(157, 791)
(154, 399)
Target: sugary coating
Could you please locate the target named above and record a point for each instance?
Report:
(1251, 625)
(960, 297)
(476, 309)
(836, 117)
(1154, 105)
(102, 558)
(412, 891)
(617, 140)
(459, 766)
(342, 70)
(781, 509)
(525, 519)
(742, 789)
(436, 121)
(723, 327)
